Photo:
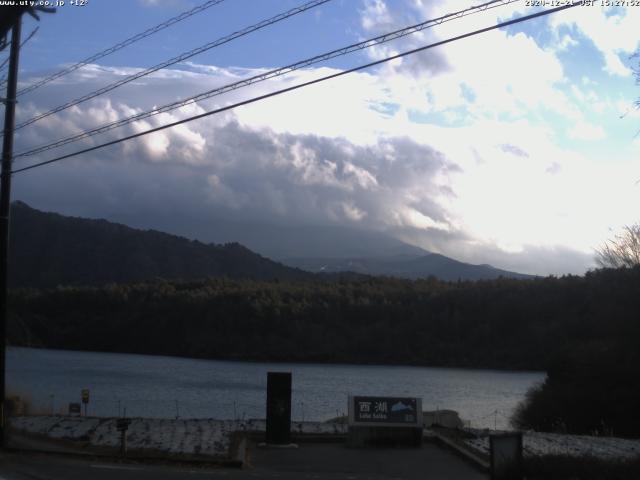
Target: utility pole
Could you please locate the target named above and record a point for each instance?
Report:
(5, 206)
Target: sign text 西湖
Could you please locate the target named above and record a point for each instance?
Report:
(392, 411)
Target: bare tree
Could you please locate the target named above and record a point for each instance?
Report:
(621, 251)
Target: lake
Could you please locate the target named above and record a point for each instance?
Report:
(158, 386)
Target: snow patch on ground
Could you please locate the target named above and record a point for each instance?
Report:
(307, 428)
(200, 437)
(212, 438)
(540, 444)
(189, 436)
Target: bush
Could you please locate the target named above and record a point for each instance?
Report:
(593, 390)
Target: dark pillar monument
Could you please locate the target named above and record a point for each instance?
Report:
(278, 408)
(506, 456)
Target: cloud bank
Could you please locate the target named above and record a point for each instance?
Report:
(450, 150)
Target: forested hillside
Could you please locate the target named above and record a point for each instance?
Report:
(48, 249)
(502, 323)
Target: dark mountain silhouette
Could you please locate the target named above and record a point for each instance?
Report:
(278, 240)
(325, 248)
(48, 249)
(405, 266)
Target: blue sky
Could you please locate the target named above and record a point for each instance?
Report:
(516, 148)
(330, 25)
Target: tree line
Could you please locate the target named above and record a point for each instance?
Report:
(503, 323)
(583, 331)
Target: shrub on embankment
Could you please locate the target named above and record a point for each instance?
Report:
(593, 388)
(600, 401)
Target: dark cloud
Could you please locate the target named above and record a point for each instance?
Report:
(250, 172)
(514, 150)
(180, 180)
(554, 168)
(218, 166)
(380, 17)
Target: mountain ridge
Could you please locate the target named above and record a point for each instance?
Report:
(405, 266)
(50, 249)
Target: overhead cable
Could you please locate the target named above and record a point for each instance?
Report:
(119, 46)
(298, 86)
(5, 62)
(381, 39)
(174, 60)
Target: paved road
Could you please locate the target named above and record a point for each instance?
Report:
(310, 461)
(335, 461)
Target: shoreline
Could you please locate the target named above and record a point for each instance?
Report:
(286, 362)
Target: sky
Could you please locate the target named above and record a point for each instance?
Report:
(517, 147)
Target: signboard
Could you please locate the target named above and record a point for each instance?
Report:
(85, 395)
(385, 411)
(122, 424)
(74, 409)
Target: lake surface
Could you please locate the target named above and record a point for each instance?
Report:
(157, 386)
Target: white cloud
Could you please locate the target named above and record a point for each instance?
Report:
(518, 75)
(566, 42)
(503, 73)
(613, 34)
(375, 14)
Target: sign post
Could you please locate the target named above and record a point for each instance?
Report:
(385, 421)
(122, 425)
(85, 399)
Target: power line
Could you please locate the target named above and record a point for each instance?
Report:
(4, 63)
(300, 85)
(121, 45)
(269, 75)
(6, 60)
(179, 58)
